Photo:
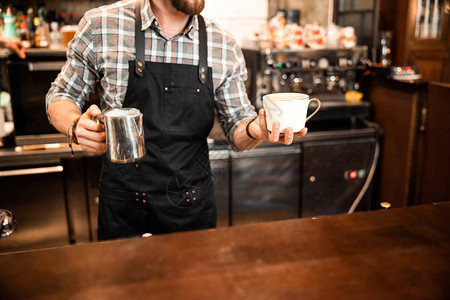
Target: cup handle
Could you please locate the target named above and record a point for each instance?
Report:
(317, 109)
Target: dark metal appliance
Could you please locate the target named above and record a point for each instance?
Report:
(329, 171)
(30, 80)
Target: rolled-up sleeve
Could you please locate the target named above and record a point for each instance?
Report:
(232, 102)
(78, 76)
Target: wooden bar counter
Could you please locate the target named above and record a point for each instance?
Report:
(401, 253)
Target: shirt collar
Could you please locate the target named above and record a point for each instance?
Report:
(148, 19)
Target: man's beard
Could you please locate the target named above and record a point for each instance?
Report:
(188, 8)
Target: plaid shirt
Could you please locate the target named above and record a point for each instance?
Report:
(105, 42)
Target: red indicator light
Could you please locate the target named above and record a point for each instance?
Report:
(353, 174)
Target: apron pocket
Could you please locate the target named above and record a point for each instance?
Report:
(120, 207)
(182, 109)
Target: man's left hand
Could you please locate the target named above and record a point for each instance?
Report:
(274, 136)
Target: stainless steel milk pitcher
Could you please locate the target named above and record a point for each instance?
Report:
(124, 134)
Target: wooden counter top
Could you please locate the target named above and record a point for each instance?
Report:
(400, 253)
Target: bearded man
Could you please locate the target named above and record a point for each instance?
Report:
(163, 58)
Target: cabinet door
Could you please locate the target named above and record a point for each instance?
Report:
(435, 159)
(37, 203)
(265, 184)
(220, 168)
(334, 173)
(397, 108)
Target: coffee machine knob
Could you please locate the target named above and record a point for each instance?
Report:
(323, 63)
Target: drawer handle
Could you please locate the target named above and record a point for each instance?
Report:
(45, 66)
(31, 171)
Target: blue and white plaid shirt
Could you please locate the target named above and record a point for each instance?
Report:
(105, 42)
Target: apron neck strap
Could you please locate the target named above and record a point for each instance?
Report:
(203, 51)
(140, 42)
(140, 46)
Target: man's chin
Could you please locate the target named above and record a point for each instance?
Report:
(187, 7)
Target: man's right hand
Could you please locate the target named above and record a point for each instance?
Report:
(91, 135)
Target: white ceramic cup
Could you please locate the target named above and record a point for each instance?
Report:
(290, 109)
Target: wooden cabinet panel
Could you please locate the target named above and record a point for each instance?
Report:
(433, 176)
(431, 64)
(415, 158)
(397, 108)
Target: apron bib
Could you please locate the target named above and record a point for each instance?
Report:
(171, 188)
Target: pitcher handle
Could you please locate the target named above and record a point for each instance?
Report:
(139, 128)
(99, 119)
(317, 109)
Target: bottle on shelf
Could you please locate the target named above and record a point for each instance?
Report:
(31, 27)
(9, 28)
(42, 35)
(55, 36)
(74, 18)
(62, 19)
(24, 33)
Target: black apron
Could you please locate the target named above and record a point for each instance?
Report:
(171, 188)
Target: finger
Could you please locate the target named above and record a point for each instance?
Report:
(288, 136)
(93, 149)
(89, 131)
(19, 45)
(263, 124)
(19, 50)
(92, 146)
(301, 133)
(87, 124)
(92, 125)
(262, 119)
(93, 110)
(274, 136)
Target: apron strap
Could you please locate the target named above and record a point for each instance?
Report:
(140, 42)
(203, 51)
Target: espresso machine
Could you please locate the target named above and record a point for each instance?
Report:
(326, 74)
